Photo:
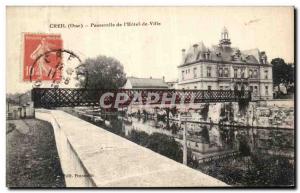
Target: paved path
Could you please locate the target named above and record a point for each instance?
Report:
(31, 155)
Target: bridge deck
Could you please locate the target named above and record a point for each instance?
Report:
(63, 97)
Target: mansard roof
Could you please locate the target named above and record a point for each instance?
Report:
(226, 54)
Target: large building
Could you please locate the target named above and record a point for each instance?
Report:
(222, 67)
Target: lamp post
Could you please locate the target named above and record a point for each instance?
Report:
(184, 151)
(253, 134)
(184, 135)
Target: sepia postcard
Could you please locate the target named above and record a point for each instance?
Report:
(150, 97)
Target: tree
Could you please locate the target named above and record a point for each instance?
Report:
(103, 73)
(291, 77)
(282, 72)
(17, 98)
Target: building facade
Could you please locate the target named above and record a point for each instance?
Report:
(173, 84)
(222, 67)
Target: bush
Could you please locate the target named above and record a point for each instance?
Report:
(165, 145)
(272, 171)
(160, 143)
(139, 137)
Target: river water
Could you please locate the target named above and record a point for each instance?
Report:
(206, 140)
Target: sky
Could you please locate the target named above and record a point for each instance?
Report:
(148, 50)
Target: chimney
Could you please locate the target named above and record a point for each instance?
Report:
(195, 47)
(183, 55)
(163, 78)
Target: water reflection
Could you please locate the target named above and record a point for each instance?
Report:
(202, 139)
(205, 139)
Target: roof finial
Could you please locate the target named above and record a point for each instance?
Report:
(224, 34)
(225, 41)
(225, 29)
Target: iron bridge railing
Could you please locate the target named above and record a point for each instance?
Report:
(69, 97)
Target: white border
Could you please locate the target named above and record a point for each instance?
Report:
(5, 3)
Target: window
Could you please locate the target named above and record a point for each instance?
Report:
(226, 87)
(208, 71)
(264, 59)
(208, 87)
(182, 75)
(251, 88)
(226, 72)
(195, 72)
(235, 87)
(267, 90)
(255, 89)
(207, 55)
(266, 74)
(242, 73)
(223, 72)
(195, 87)
(221, 87)
(255, 74)
(235, 72)
(250, 73)
(220, 72)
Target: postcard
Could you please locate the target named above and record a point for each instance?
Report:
(150, 97)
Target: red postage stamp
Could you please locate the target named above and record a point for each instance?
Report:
(42, 57)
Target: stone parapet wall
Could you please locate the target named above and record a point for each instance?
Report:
(93, 157)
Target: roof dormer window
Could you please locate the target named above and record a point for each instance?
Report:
(207, 55)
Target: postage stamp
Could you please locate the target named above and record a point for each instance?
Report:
(40, 62)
